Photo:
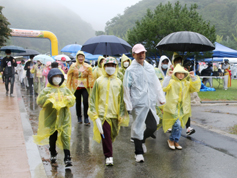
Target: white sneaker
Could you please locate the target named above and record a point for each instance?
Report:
(169, 130)
(109, 161)
(139, 158)
(144, 148)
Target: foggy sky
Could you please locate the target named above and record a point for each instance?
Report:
(98, 12)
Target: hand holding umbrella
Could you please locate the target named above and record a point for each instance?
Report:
(99, 125)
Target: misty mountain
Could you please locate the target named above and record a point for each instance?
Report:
(221, 13)
(47, 16)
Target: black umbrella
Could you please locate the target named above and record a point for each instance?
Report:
(185, 41)
(106, 45)
(28, 52)
(14, 49)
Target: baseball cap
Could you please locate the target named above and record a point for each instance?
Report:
(137, 48)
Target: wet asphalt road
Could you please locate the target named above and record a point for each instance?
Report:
(205, 154)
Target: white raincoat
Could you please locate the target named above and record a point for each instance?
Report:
(142, 91)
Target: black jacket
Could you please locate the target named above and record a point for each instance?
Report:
(9, 71)
(26, 68)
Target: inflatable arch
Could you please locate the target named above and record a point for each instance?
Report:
(38, 34)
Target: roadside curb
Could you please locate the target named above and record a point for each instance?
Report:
(34, 159)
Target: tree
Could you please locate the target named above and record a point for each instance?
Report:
(97, 33)
(166, 19)
(5, 32)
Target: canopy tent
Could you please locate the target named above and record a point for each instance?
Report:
(215, 59)
(223, 51)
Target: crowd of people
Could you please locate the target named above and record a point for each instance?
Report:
(153, 97)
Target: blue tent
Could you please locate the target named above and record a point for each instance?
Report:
(223, 51)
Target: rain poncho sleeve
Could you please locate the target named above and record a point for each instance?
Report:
(178, 100)
(106, 103)
(55, 115)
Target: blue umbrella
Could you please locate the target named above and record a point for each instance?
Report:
(106, 45)
(43, 58)
(14, 49)
(71, 48)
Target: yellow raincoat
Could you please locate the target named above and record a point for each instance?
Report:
(122, 68)
(178, 98)
(106, 103)
(55, 114)
(98, 69)
(39, 79)
(80, 73)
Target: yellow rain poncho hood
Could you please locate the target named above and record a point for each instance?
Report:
(142, 92)
(106, 102)
(98, 69)
(55, 114)
(178, 100)
(80, 73)
(122, 68)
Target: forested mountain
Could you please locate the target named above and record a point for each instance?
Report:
(45, 15)
(221, 13)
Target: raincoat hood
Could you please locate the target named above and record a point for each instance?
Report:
(162, 58)
(175, 56)
(125, 58)
(180, 69)
(54, 72)
(78, 53)
(113, 61)
(99, 59)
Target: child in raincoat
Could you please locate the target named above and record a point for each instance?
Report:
(125, 63)
(97, 72)
(55, 118)
(107, 109)
(177, 109)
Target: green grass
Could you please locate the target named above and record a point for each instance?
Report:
(220, 93)
(233, 130)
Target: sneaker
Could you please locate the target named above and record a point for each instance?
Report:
(86, 121)
(139, 158)
(144, 148)
(109, 161)
(11, 95)
(67, 161)
(171, 144)
(169, 130)
(53, 159)
(131, 140)
(68, 164)
(190, 131)
(177, 146)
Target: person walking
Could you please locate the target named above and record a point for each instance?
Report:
(227, 74)
(125, 63)
(21, 72)
(107, 109)
(80, 81)
(8, 64)
(177, 109)
(39, 79)
(97, 72)
(55, 117)
(28, 66)
(142, 91)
